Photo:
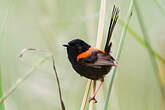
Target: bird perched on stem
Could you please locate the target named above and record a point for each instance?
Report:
(89, 61)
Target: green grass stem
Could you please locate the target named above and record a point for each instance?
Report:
(146, 38)
(2, 27)
(2, 106)
(141, 41)
(121, 43)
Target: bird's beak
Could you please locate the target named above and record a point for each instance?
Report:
(65, 45)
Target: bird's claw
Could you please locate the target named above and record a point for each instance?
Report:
(92, 98)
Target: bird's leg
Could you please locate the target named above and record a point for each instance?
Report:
(93, 97)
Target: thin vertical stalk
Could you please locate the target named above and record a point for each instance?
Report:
(2, 107)
(98, 45)
(86, 95)
(121, 43)
(99, 41)
(58, 83)
(92, 93)
(101, 24)
(152, 57)
(2, 27)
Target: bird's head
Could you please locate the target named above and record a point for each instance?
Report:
(76, 46)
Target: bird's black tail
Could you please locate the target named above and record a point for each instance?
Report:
(114, 18)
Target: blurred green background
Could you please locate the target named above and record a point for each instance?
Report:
(48, 24)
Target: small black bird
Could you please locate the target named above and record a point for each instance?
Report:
(89, 61)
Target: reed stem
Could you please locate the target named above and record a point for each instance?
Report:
(86, 95)
(91, 104)
(98, 45)
(2, 106)
(150, 50)
(121, 43)
(99, 40)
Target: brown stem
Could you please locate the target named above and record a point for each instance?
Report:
(58, 82)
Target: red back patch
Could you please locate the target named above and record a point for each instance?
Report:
(88, 53)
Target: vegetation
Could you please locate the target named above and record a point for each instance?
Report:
(139, 80)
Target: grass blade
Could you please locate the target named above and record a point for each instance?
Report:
(58, 83)
(2, 107)
(20, 80)
(146, 38)
(141, 41)
(2, 27)
(121, 43)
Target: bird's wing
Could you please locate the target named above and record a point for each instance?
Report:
(104, 60)
(98, 59)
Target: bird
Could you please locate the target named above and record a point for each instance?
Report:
(89, 61)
